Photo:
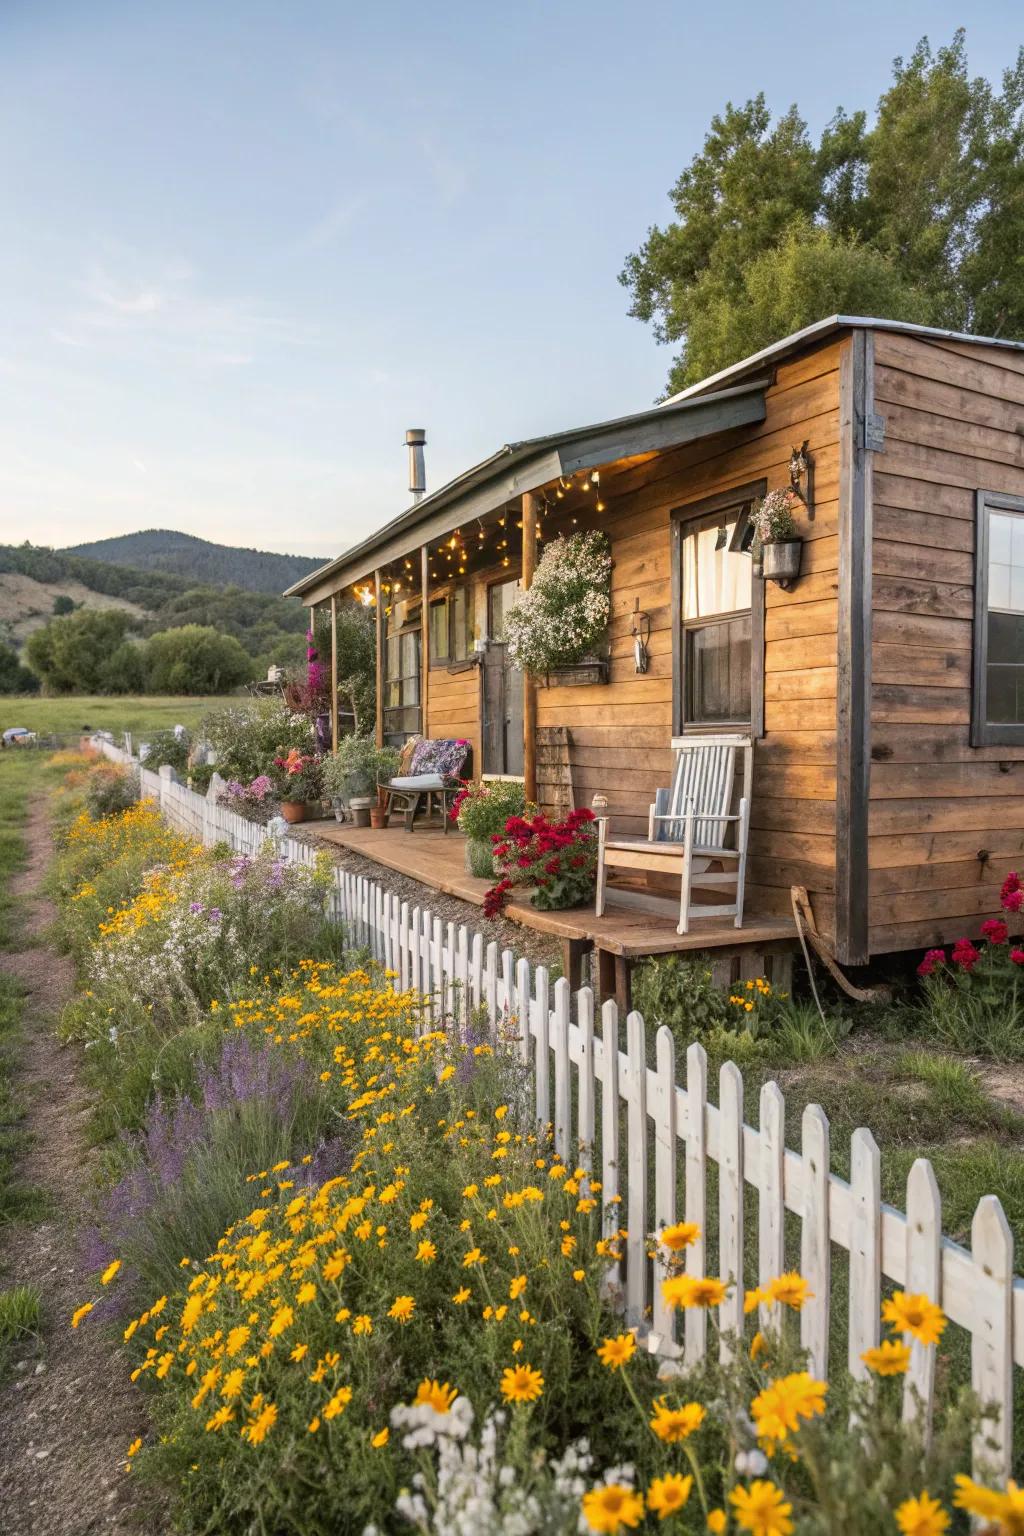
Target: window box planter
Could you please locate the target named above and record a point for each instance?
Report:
(583, 674)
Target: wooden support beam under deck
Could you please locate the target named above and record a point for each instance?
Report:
(530, 504)
(334, 672)
(380, 658)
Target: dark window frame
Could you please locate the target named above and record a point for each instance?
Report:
(985, 732)
(686, 519)
(449, 662)
(413, 625)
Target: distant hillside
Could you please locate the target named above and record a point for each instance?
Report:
(269, 626)
(199, 561)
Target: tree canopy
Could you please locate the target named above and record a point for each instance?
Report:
(918, 215)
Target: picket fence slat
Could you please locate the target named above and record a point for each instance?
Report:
(923, 1276)
(771, 1212)
(458, 972)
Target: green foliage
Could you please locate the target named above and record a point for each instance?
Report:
(357, 662)
(19, 1313)
(14, 677)
(678, 990)
(195, 659)
(247, 737)
(63, 604)
(268, 626)
(165, 748)
(110, 790)
(81, 652)
(356, 767)
(486, 807)
(919, 216)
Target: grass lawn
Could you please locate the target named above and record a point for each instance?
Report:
(109, 713)
(19, 775)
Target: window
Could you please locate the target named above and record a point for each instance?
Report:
(998, 702)
(451, 629)
(401, 707)
(716, 619)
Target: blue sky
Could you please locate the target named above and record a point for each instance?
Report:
(247, 244)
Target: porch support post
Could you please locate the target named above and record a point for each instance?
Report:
(380, 658)
(334, 671)
(424, 638)
(529, 505)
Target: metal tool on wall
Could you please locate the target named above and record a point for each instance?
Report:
(641, 633)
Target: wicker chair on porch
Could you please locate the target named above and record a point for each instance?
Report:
(689, 828)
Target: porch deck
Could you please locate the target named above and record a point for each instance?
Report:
(638, 924)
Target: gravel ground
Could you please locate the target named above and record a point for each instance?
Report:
(527, 943)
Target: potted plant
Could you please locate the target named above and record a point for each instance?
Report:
(559, 859)
(778, 542)
(352, 773)
(298, 779)
(481, 812)
(560, 625)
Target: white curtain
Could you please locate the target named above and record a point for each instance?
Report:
(714, 580)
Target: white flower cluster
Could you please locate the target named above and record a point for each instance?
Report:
(564, 616)
(480, 1487)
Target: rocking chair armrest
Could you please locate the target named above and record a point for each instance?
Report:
(697, 816)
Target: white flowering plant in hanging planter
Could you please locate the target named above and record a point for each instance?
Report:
(563, 618)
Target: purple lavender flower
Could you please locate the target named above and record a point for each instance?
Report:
(195, 906)
(214, 914)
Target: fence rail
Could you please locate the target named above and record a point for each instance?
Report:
(599, 1099)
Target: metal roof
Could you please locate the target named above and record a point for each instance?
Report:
(532, 462)
(817, 332)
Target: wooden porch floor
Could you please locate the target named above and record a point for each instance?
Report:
(636, 924)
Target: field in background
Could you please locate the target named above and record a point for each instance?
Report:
(116, 713)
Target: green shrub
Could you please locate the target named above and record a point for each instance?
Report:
(247, 738)
(110, 789)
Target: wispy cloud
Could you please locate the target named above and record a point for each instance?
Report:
(169, 309)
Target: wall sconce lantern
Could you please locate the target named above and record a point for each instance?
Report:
(641, 632)
(801, 477)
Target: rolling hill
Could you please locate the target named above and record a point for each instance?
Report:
(32, 578)
(199, 561)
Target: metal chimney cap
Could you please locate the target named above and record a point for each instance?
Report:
(416, 436)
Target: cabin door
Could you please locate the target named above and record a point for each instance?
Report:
(502, 690)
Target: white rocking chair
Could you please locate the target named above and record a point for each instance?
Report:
(689, 825)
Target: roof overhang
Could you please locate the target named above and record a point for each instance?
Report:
(526, 466)
(824, 330)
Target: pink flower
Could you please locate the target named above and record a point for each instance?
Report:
(933, 958)
(965, 955)
(995, 931)
(1017, 956)
(1011, 896)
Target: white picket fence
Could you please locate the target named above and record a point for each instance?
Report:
(599, 1099)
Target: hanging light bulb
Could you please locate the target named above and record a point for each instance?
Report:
(595, 477)
(599, 505)
(505, 561)
(560, 494)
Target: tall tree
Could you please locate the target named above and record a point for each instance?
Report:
(918, 216)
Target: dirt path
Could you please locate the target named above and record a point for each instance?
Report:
(67, 1412)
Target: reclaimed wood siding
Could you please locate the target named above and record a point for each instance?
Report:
(453, 707)
(621, 731)
(946, 819)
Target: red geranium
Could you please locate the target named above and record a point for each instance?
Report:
(965, 955)
(1011, 897)
(933, 958)
(559, 859)
(995, 930)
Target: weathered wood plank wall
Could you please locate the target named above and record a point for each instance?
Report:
(954, 415)
(620, 732)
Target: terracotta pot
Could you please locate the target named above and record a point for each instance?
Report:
(377, 817)
(294, 810)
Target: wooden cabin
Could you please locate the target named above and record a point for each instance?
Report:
(884, 689)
